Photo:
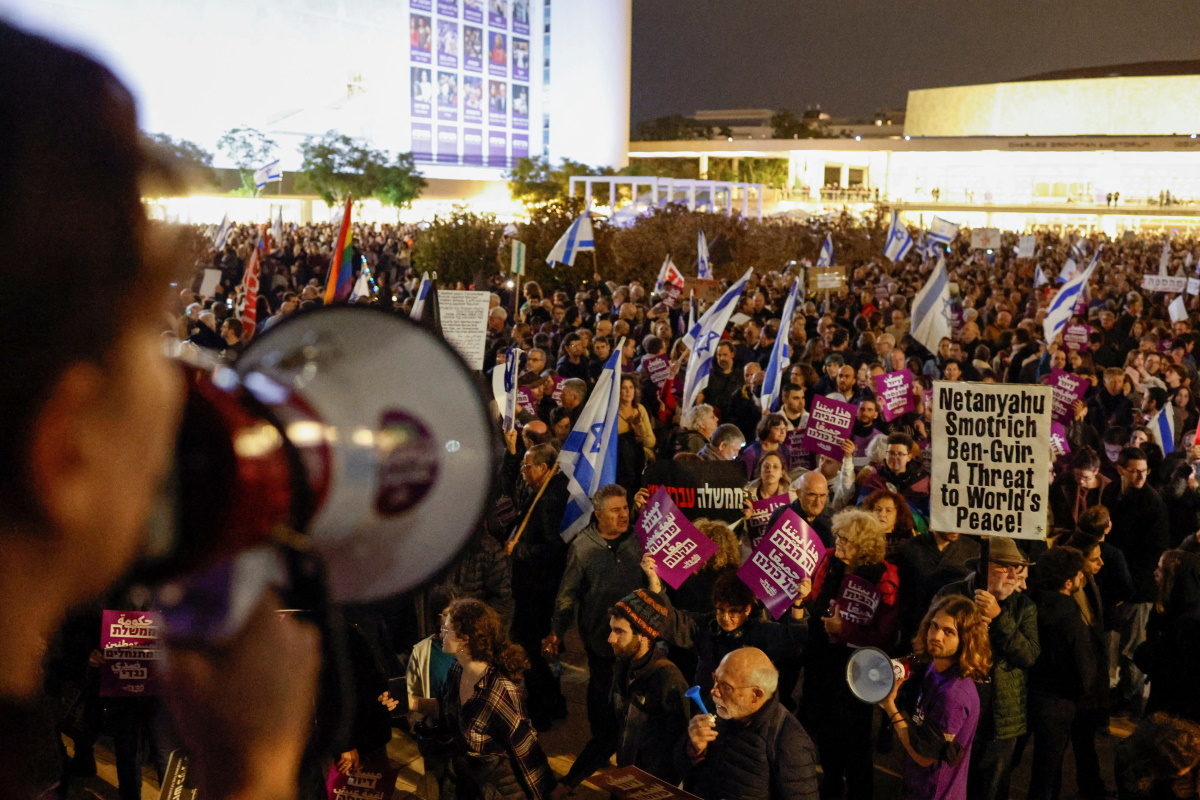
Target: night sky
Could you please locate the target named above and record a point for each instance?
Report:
(855, 56)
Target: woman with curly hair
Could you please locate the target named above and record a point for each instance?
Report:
(953, 652)
(496, 750)
(854, 592)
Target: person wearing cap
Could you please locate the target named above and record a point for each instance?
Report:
(647, 694)
(1012, 627)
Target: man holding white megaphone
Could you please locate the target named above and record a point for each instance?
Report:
(937, 735)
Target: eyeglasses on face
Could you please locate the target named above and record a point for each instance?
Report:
(727, 688)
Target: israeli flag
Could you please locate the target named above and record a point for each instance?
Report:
(703, 267)
(1164, 258)
(781, 355)
(269, 173)
(1162, 428)
(1039, 277)
(1074, 256)
(691, 313)
(504, 388)
(931, 309)
(942, 231)
(589, 455)
(928, 248)
(576, 239)
(222, 234)
(422, 295)
(825, 259)
(362, 286)
(702, 340)
(899, 242)
(1063, 305)
(1078, 251)
(277, 226)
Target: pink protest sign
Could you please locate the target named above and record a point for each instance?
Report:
(829, 424)
(525, 400)
(556, 393)
(376, 782)
(761, 514)
(657, 369)
(858, 599)
(1067, 389)
(1059, 444)
(129, 642)
(894, 393)
(1075, 337)
(788, 554)
(678, 547)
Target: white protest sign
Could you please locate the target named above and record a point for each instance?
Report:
(1026, 246)
(985, 238)
(991, 459)
(208, 286)
(464, 323)
(1164, 283)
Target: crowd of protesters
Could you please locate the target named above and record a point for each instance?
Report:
(1026, 655)
(1022, 658)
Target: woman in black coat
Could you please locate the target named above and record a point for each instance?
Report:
(1171, 653)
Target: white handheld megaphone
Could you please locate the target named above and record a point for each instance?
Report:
(871, 675)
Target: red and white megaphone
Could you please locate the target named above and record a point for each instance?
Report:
(352, 433)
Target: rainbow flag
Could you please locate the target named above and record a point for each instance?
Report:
(339, 283)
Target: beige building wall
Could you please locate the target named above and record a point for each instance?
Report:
(1146, 106)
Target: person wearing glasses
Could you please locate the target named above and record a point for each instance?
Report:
(854, 598)
(1012, 627)
(752, 747)
(1141, 531)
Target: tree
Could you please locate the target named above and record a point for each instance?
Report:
(249, 149)
(459, 246)
(534, 181)
(786, 125)
(185, 164)
(336, 166)
(674, 128)
(400, 182)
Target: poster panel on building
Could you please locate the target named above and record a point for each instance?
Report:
(991, 459)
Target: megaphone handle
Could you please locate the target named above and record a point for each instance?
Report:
(335, 704)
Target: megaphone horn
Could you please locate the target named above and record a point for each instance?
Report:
(871, 675)
(694, 693)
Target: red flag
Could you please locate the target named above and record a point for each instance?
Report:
(250, 296)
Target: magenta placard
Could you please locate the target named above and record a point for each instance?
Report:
(556, 394)
(657, 368)
(788, 554)
(760, 515)
(829, 424)
(375, 782)
(1059, 444)
(129, 642)
(1067, 389)
(678, 547)
(894, 393)
(1075, 337)
(858, 599)
(525, 400)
